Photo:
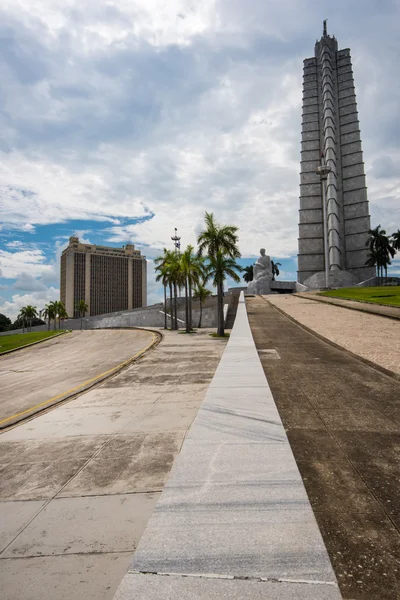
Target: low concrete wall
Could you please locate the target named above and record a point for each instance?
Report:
(234, 519)
(150, 316)
(37, 328)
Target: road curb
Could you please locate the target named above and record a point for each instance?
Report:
(34, 343)
(10, 422)
(367, 362)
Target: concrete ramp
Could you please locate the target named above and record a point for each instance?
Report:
(234, 520)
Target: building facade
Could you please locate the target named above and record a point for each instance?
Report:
(107, 279)
(334, 220)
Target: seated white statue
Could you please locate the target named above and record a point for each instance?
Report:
(262, 275)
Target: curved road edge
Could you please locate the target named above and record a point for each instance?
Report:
(335, 345)
(27, 414)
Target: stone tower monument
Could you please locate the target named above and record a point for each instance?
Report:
(334, 216)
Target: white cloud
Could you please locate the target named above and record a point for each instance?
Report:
(14, 263)
(11, 308)
(159, 111)
(28, 283)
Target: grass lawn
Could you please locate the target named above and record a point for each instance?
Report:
(10, 342)
(384, 294)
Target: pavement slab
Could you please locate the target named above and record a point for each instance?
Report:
(343, 422)
(80, 481)
(350, 329)
(75, 358)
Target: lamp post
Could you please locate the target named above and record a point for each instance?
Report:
(177, 240)
(323, 171)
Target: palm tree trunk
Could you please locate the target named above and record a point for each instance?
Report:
(170, 306)
(81, 321)
(165, 307)
(48, 323)
(175, 307)
(187, 324)
(221, 331)
(201, 314)
(190, 306)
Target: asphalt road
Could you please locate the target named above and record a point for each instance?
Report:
(36, 374)
(343, 423)
(79, 483)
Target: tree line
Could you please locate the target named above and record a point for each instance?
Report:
(54, 312)
(382, 249)
(190, 270)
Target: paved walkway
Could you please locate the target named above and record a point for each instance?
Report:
(78, 484)
(48, 370)
(392, 312)
(342, 418)
(372, 337)
(234, 520)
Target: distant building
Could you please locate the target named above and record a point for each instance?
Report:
(107, 279)
(334, 212)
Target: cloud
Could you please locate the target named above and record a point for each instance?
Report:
(14, 263)
(143, 115)
(27, 283)
(12, 307)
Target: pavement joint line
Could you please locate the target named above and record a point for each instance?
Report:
(367, 362)
(156, 337)
(236, 577)
(92, 552)
(56, 495)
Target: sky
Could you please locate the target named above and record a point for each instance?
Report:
(122, 120)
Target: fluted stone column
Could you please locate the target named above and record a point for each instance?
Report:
(331, 135)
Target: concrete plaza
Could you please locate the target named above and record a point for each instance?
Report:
(78, 484)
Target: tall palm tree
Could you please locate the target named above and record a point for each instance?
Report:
(201, 293)
(53, 308)
(82, 308)
(48, 313)
(191, 271)
(162, 270)
(62, 314)
(221, 267)
(395, 239)
(219, 241)
(275, 269)
(380, 250)
(248, 273)
(27, 313)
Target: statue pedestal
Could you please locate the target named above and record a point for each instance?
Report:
(260, 286)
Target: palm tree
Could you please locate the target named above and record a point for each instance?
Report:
(82, 308)
(191, 272)
(201, 293)
(248, 273)
(53, 308)
(28, 313)
(62, 314)
(395, 239)
(219, 241)
(380, 250)
(162, 270)
(221, 267)
(48, 313)
(275, 269)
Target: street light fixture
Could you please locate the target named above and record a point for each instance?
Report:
(323, 171)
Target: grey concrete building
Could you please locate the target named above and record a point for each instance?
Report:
(334, 214)
(108, 279)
